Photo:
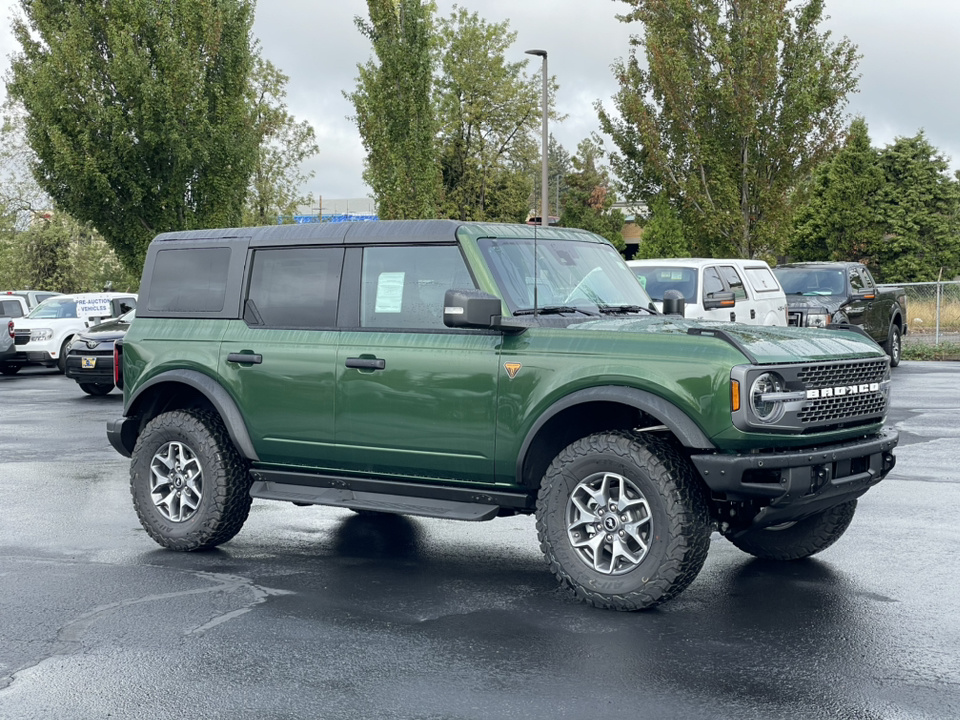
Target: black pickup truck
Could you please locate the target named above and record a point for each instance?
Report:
(826, 293)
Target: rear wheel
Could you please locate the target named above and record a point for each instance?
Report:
(96, 388)
(894, 345)
(10, 369)
(800, 539)
(623, 521)
(190, 487)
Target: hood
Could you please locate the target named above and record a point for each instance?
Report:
(110, 330)
(25, 323)
(768, 344)
(831, 303)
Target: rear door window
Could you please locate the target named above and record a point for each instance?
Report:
(761, 279)
(294, 288)
(734, 281)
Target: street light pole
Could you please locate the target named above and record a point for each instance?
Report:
(545, 179)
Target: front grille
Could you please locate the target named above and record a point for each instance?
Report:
(795, 319)
(856, 406)
(846, 407)
(22, 337)
(815, 377)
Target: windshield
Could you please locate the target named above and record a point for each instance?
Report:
(54, 308)
(808, 281)
(656, 280)
(583, 275)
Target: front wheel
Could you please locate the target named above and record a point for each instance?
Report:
(623, 521)
(800, 539)
(62, 360)
(190, 487)
(96, 388)
(894, 345)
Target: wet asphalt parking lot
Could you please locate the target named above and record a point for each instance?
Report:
(320, 613)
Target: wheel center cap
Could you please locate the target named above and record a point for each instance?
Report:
(178, 481)
(611, 523)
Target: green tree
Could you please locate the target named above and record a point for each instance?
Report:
(138, 112)
(737, 101)
(284, 144)
(58, 253)
(917, 208)
(588, 197)
(838, 219)
(394, 111)
(663, 235)
(490, 117)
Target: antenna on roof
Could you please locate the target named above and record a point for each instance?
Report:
(535, 274)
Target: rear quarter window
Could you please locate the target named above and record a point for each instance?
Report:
(762, 279)
(188, 280)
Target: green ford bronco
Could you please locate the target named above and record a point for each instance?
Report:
(471, 371)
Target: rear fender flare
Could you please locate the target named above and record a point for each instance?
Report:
(218, 397)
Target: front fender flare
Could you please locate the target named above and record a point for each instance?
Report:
(679, 423)
(218, 397)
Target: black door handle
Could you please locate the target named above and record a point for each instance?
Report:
(366, 363)
(248, 358)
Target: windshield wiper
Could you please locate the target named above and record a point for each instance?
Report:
(622, 309)
(554, 310)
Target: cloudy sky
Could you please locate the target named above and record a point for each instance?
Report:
(910, 67)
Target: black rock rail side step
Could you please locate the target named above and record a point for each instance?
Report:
(381, 502)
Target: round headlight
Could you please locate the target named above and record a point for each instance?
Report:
(767, 411)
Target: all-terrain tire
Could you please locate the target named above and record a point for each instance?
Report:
(678, 530)
(894, 345)
(798, 540)
(96, 388)
(225, 498)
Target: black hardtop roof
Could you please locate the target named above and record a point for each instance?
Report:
(387, 231)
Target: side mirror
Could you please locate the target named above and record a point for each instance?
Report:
(719, 300)
(471, 309)
(674, 303)
(865, 294)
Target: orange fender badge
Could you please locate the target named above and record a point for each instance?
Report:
(512, 368)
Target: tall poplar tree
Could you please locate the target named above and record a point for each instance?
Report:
(490, 116)
(137, 112)
(735, 102)
(394, 110)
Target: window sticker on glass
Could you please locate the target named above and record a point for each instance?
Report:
(389, 292)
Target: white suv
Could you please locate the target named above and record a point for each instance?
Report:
(744, 291)
(42, 336)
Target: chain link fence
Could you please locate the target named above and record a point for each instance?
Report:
(933, 312)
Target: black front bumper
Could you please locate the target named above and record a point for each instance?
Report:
(101, 373)
(795, 484)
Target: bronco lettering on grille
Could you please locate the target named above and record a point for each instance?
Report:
(843, 390)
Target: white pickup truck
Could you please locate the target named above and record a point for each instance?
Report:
(728, 290)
